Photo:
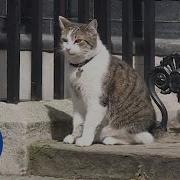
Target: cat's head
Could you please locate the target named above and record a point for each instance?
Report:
(78, 41)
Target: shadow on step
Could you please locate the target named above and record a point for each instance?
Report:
(61, 123)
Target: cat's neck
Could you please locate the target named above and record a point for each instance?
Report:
(100, 48)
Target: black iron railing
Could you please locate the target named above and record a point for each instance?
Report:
(132, 28)
(13, 50)
(13, 45)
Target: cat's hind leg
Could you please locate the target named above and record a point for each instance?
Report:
(140, 138)
(143, 138)
(112, 136)
(114, 141)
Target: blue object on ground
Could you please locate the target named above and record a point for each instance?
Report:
(1, 143)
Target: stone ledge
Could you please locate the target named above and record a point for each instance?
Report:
(163, 47)
(25, 44)
(27, 122)
(157, 161)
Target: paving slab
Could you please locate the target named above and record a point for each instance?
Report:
(24, 123)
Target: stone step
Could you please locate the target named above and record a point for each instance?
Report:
(55, 159)
(27, 122)
(29, 178)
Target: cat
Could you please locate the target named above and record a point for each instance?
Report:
(111, 103)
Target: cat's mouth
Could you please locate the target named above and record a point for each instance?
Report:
(70, 53)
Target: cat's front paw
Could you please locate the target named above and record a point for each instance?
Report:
(83, 141)
(69, 139)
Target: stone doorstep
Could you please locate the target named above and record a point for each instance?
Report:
(26, 123)
(156, 161)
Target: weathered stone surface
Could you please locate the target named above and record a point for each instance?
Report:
(27, 122)
(162, 46)
(167, 46)
(157, 161)
(29, 178)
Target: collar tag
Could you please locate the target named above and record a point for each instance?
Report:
(79, 71)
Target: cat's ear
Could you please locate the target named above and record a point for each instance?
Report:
(92, 27)
(64, 23)
(93, 24)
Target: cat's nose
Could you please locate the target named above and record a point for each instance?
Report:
(68, 49)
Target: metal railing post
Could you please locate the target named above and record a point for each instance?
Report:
(102, 12)
(83, 11)
(149, 36)
(59, 9)
(36, 64)
(13, 50)
(127, 31)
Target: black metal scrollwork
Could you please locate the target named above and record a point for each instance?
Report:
(166, 77)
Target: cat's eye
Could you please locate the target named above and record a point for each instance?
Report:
(64, 39)
(78, 41)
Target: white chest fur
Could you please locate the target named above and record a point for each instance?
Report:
(87, 83)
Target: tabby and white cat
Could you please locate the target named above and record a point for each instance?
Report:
(111, 102)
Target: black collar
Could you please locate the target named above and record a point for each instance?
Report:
(81, 64)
